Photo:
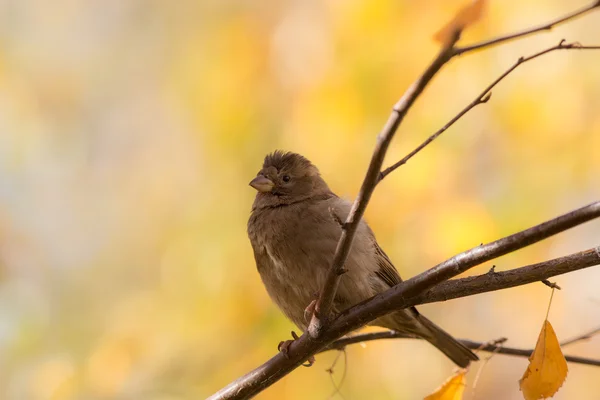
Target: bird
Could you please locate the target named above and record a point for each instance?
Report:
(294, 228)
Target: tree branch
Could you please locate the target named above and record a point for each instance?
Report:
(482, 346)
(373, 175)
(325, 301)
(494, 281)
(489, 282)
(545, 27)
(527, 352)
(585, 336)
(483, 97)
(397, 296)
(321, 331)
(401, 296)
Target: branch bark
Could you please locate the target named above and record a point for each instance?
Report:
(481, 346)
(325, 300)
(545, 27)
(482, 98)
(493, 281)
(585, 336)
(405, 294)
(373, 175)
(401, 295)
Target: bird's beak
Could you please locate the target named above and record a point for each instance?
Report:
(262, 184)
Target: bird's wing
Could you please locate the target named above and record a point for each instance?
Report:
(387, 272)
(263, 261)
(404, 320)
(384, 269)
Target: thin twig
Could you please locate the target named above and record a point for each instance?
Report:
(545, 27)
(585, 336)
(489, 347)
(327, 294)
(551, 285)
(499, 344)
(483, 97)
(330, 370)
(479, 100)
(455, 288)
(367, 337)
(511, 351)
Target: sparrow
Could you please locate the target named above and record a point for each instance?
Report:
(294, 228)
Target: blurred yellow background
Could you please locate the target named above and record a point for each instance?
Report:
(129, 131)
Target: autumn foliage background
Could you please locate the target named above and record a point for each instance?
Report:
(129, 131)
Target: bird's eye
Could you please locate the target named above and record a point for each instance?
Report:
(286, 178)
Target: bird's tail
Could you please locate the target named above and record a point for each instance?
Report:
(455, 350)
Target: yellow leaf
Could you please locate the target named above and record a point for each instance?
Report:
(547, 368)
(466, 16)
(452, 389)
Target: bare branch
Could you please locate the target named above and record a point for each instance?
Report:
(527, 352)
(494, 281)
(373, 176)
(397, 296)
(321, 331)
(551, 285)
(585, 336)
(483, 97)
(325, 301)
(330, 370)
(485, 360)
(406, 294)
(490, 347)
(367, 337)
(545, 27)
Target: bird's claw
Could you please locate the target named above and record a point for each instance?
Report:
(284, 348)
(309, 310)
(284, 345)
(309, 363)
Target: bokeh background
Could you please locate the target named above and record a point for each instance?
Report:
(129, 131)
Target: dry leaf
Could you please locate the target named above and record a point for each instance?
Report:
(466, 16)
(547, 368)
(452, 389)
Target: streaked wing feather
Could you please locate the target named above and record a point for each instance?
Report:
(387, 272)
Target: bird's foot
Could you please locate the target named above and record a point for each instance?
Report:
(309, 310)
(284, 347)
(309, 363)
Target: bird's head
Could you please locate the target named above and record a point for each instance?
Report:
(286, 178)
